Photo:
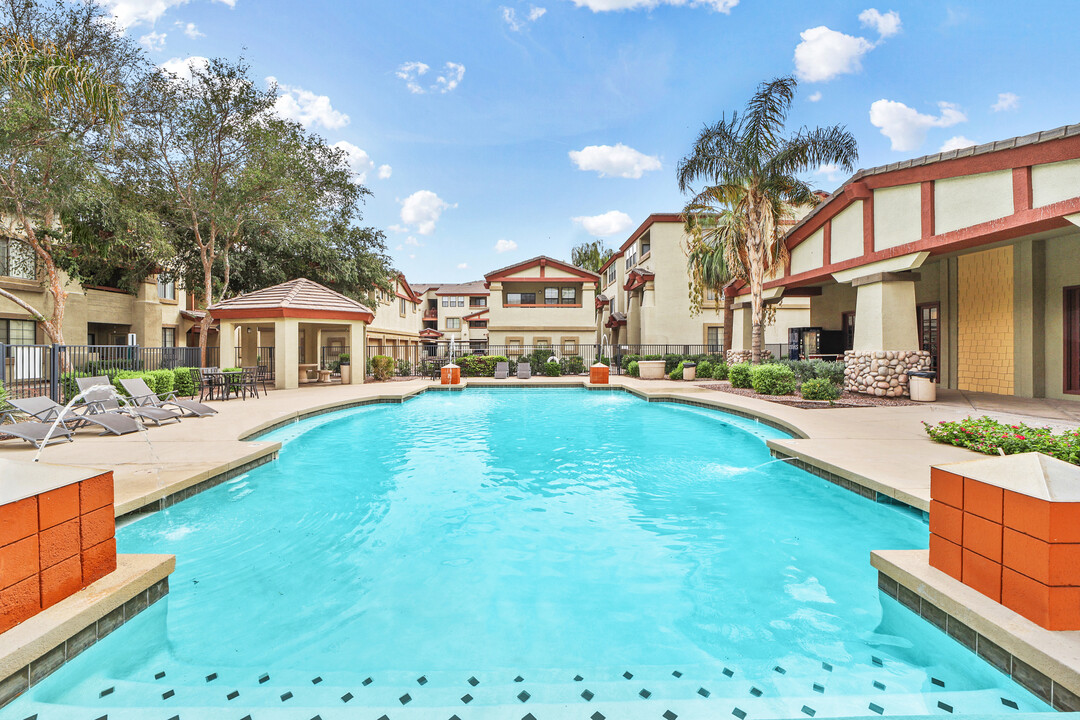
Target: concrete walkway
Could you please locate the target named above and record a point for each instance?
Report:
(883, 448)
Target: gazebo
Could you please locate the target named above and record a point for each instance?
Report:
(297, 319)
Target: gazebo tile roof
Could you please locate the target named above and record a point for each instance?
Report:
(301, 294)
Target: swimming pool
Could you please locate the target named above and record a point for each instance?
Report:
(504, 553)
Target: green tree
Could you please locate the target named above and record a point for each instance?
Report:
(750, 170)
(223, 170)
(62, 74)
(591, 255)
(715, 261)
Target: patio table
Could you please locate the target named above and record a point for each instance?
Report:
(223, 380)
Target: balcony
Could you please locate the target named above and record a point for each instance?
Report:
(431, 314)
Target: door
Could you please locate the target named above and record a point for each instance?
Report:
(1072, 340)
(847, 327)
(929, 332)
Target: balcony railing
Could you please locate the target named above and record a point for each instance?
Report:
(431, 314)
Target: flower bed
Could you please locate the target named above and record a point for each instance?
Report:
(986, 435)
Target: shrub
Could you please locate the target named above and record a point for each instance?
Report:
(163, 381)
(538, 359)
(720, 370)
(704, 369)
(130, 375)
(627, 359)
(480, 365)
(573, 365)
(831, 371)
(344, 359)
(183, 383)
(819, 389)
(3, 392)
(632, 369)
(382, 367)
(739, 375)
(987, 435)
(404, 368)
(773, 379)
(552, 369)
(68, 386)
(676, 373)
(802, 369)
(671, 361)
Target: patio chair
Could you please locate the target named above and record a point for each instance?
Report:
(262, 376)
(106, 399)
(143, 396)
(35, 432)
(249, 382)
(524, 371)
(209, 383)
(47, 410)
(502, 370)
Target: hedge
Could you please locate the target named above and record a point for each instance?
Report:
(986, 435)
(382, 367)
(480, 365)
(739, 375)
(552, 369)
(183, 382)
(772, 379)
(819, 389)
(676, 372)
(632, 369)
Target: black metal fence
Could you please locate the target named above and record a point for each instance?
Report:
(32, 370)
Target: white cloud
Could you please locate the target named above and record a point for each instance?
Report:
(907, 127)
(412, 72)
(145, 12)
(153, 41)
(886, 25)
(422, 209)
(181, 67)
(413, 241)
(398, 228)
(359, 161)
(831, 172)
(1006, 101)
(618, 161)
(412, 257)
(502, 245)
(190, 29)
(823, 54)
(723, 6)
(385, 171)
(956, 143)
(515, 23)
(463, 266)
(307, 108)
(814, 97)
(610, 223)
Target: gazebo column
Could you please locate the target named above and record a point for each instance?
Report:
(249, 343)
(286, 353)
(227, 344)
(886, 336)
(357, 352)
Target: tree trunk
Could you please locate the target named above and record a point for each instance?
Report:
(204, 324)
(757, 305)
(729, 321)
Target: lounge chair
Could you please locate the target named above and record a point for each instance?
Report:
(105, 399)
(47, 410)
(502, 370)
(35, 432)
(524, 371)
(142, 396)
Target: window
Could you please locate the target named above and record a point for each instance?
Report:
(927, 316)
(611, 273)
(460, 301)
(847, 327)
(521, 298)
(17, 259)
(570, 346)
(478, 302)
(446, 302)
(710, 295)
(714, 337)
(168, 337)
(401, 307)
(18, 332)
(166, 290)
(453, 323)
(1072, 340)
(646, 244)
(514, 345)
(631, 260)
(551, 296)
(542, 342)
(569, 296)
(478, 323)
(611, 309)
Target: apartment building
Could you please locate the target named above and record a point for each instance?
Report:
(156, 315)
(455, 311)
(542, 302)
(645, 296)
(398, 314)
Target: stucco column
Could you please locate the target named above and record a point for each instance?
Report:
(742, 333)
(886, 343)
(357, 343)
(227, 344)
(249, 342)
(286, 353)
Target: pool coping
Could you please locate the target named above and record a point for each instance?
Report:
(41, 645)
(1045, 662)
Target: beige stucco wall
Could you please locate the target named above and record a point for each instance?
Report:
(1054, 182)
(827, 309)
(1062, 261)
(390, 324)
(971, 199)
(985, 321)
(553, 324)
(897, 215)
(847, 233)
(809, 254)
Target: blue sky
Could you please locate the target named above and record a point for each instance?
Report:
(490, 132)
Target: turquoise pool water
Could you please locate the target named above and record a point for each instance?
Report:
(501, 553)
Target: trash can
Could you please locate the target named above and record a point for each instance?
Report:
(921, 385)
(689, 371)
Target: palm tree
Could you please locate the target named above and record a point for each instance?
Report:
(714, 260)
(751, 171)
(590, 255)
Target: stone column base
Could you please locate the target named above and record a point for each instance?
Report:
(882, 372)
(734, 357)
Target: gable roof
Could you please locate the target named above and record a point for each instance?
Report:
(296, 298)
(410, 294)
(540, 261)
(476, 287)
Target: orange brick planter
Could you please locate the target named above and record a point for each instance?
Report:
(56, 537)
(598, 374)
(1010, 528)
(451, 375)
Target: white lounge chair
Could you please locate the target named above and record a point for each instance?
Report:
(105, 399)
(35, 432)
(46, 410)
(524, 371)
(502, 370)
(142, 396)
